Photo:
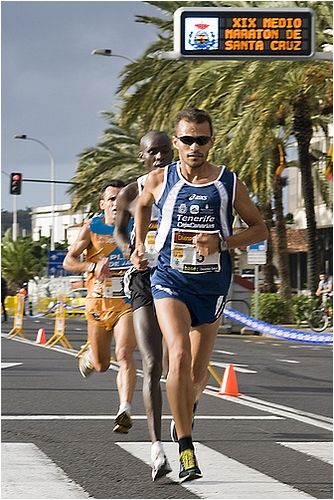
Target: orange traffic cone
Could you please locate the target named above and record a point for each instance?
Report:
(229, 385)
(41, 339)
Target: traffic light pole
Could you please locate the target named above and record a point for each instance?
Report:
(14, 226)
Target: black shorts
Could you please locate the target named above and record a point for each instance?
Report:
(140, 287)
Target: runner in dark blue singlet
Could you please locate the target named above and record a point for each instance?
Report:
(189, 285)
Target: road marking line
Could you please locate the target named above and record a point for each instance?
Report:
(225, 352)
(263, 405)
(292, 410)
(223, 477)
(288, 361)
(9, 365)
(136, 417)
(237, 367)
(244, 400)
(28, 473)
(320, 450)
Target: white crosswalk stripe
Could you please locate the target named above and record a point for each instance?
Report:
(223, 477)
(24, 464)
(28, 473)
(320, 450)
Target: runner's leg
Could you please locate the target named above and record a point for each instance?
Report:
(149, 340)
(99, 340)
(125, 344)
(202, 339)
(174, 320)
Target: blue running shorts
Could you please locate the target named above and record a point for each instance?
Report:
(202, 308)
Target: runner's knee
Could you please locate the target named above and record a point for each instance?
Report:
(124, 355)
(101, 365)
(179, 360)
(152, 367)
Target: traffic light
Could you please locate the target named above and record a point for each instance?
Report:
(15, 183)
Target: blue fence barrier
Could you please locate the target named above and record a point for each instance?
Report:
(279, 331)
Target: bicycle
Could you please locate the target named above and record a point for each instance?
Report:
(322, 318)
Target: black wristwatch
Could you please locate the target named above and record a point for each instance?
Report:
(91, 267)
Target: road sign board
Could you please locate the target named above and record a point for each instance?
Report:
(244, 33)
(257, 253)
(55, 263)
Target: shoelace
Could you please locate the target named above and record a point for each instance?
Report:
(187, 458)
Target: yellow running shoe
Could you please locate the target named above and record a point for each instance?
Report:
(123, 423)
(189, 469)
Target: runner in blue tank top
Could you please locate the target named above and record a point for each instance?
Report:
(196, 200)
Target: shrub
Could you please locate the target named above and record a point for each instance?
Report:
(301, 307)
(272, 308)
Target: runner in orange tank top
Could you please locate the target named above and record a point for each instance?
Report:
(107, 309)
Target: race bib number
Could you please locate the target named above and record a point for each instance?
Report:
(150, 252)
(186, 259)
(113, 288)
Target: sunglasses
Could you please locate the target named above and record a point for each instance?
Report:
(201, 140)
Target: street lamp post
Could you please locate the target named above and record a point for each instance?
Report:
(109, 53)
(52, 179)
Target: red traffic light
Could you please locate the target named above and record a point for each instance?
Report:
(15, 183)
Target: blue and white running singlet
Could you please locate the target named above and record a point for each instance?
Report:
(187, 209)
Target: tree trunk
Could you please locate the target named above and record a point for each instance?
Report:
(282, 244)
(269, 269)
(303, 132)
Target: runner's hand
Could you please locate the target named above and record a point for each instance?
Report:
(138, 258)
(102, 269)
(206, 244)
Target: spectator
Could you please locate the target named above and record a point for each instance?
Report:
(4, 293)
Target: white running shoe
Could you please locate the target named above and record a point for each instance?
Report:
(161, 465)
(86, 367)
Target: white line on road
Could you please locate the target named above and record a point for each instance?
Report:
(292, 361)
(291, 410)
(237, 367)
(320, 450)
(9, 365)
(136, 417)
(225, 352)
(223, 477)
(267, 407)
(316, 420)
(28, 473)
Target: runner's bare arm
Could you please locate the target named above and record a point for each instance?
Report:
(257, 230)
(126, 201)
(143, 215)
(72, 261)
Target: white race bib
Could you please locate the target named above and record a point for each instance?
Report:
(113, 288)
(150, 252)
(186, 259)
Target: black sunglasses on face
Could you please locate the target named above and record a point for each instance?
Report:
(189, 140)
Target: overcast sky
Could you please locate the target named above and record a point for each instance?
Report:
(54, 90)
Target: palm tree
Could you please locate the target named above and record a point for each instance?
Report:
(115, 157)
(244, 98)
(22, 259)
(247, 92)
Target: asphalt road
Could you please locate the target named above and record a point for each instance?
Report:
(275, 435)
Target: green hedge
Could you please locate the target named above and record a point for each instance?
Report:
(273, 309)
